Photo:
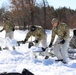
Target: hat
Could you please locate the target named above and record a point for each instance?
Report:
(54, 20)
(74, 32)
(33, 28)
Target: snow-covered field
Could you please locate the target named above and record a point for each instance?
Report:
(16, 60)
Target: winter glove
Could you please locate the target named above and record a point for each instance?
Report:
(30, 44)
(13, 29)
(43, 49)
(62, 42)
(50, 45)
(19, 42)
(36, 41)
(23, 42)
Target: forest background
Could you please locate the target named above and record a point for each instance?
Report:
(25, 13)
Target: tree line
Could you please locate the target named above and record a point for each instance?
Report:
(27, 12)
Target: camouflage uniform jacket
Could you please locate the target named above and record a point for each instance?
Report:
(39, 34)
(61, 30)
(8, 25)
(72, 42)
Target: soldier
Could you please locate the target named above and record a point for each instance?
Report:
(40, 37)
(8, 27)
(72, 42)
(60, 47)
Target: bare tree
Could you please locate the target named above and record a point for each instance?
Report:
(31, 4)
(22, 8)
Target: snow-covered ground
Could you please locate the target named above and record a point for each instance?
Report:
(16, 60)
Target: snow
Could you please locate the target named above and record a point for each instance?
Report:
(20, 58)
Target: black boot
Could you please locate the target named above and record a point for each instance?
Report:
(59, 60)
(0, 48)
(46, 57)
(43, 49)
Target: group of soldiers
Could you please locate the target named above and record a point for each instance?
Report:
(59, 28)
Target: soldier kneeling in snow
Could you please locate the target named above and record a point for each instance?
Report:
(72, 43)
(61, 45)
(9, 27)
(40, 37)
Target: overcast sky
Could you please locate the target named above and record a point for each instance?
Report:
(5, 3)
(62, 3)
(54, 3)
